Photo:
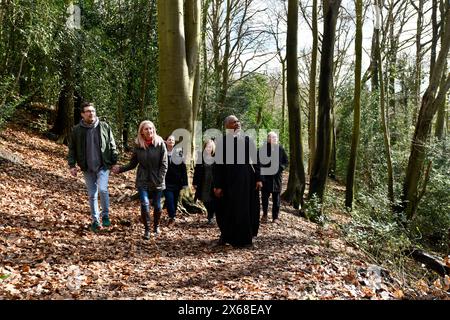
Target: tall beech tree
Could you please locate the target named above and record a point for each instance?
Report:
(296, 182)
(322, 155)
(179, 41)
(349, 192)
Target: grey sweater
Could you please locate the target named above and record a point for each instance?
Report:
(93, 152)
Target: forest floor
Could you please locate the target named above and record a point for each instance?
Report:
(48, 251)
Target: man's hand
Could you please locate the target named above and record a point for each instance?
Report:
(73, 171)
(259, 185)
(218, 192)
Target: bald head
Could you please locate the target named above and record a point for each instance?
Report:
(232, 122)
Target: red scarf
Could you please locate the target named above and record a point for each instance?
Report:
(148, 142)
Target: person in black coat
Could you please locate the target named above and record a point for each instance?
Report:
(176, 178)
(272, 183)
(203, 179)
(237, 183)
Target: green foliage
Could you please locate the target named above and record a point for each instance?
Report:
(250, 99)
(313, 210)
(431, 224)
(109, 52)
(27, 48)
(375, 229)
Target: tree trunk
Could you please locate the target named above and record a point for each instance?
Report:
(418, 71)
(192, 25)
(430, 103)
(64, 118)
(226, 56)
(144, 76)
(386, 139)
(312, 90)
(440, 121)
(297, 181)
(177, 64)
(350, 186)
(204, 72)
(215, 30)
(321, 162)
(283, 101)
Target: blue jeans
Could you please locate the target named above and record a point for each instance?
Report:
(95, 183)
(171, 201)
(144, 196)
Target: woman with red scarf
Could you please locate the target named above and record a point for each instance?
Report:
(150, 154)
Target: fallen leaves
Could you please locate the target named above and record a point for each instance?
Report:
(48, 251)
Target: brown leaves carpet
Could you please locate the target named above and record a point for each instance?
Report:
(48, 252)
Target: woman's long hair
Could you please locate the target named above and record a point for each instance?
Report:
(140, 141)
(213, 146)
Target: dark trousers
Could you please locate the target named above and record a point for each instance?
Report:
(275, 203)
(171, 201)
(210, 209)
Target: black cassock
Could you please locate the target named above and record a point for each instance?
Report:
(237, 211)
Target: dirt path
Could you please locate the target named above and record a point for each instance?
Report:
(49, 253)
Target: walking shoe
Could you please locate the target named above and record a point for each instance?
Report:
(95, 226)
(106, 222)
(156, 232)
(147, 234)
(171, 221)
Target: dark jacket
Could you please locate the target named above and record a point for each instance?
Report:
(273, 183)
(152, 166)
(198, 180)
(176, 176)
(77, 147)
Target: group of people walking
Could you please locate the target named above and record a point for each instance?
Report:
(228, 176)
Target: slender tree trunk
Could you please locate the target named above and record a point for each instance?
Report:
(144, 76)
(226, 56)
(351, 170)
(204, 72)
(391, 65)
(321, 162)
(373, 59)
(312, 89)
(283, 100)
(215, 29)
(418, 71)
(440, 120)
(431, 100)
(333, 157)
(434, 35)
(386, 138)
(192, 30)
(297, 181)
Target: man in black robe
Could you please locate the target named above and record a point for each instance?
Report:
(273, 158)
(237, 182)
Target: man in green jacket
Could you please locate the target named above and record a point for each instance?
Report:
(92, 147)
